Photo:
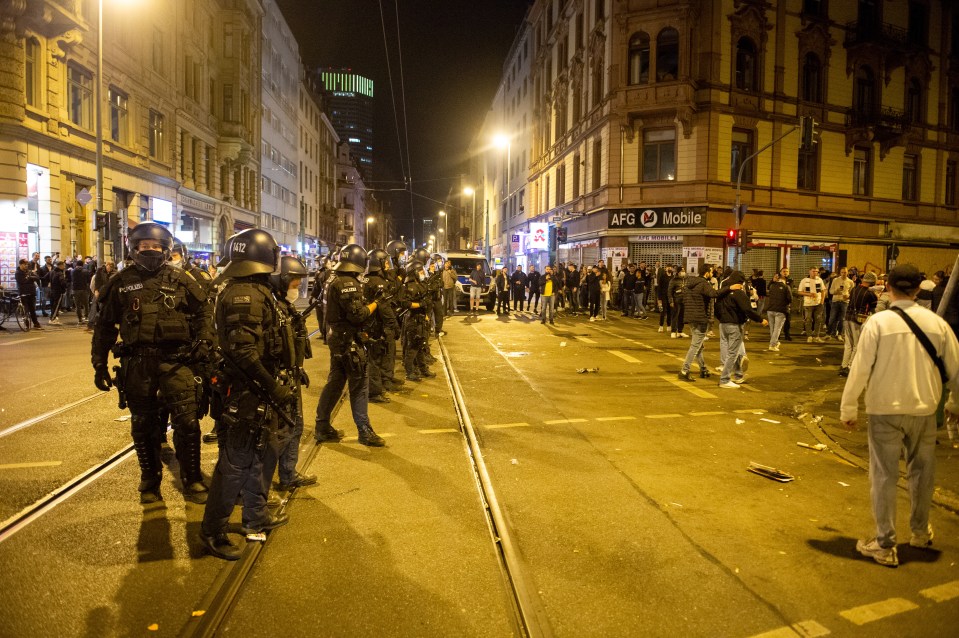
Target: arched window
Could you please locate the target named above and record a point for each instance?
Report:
(747, 77)
(667, 55)
(812, 78)
(33, 65)
(914, 102)
(597, 85)
(864, 94)
(639, 59)
(954, 109)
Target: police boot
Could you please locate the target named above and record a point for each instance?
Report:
(370, 438)
(188, 455)
(379, 398)
(426, 372)
(151, 469)
(220, 545)
(326, 432)
(210, 437)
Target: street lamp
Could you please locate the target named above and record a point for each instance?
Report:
(446, 221)
(502, 141)
(472, 193)
(366, 237)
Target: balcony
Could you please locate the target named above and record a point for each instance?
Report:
(887, 35)
(887, 126)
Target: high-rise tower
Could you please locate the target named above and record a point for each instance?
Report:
(350, 100)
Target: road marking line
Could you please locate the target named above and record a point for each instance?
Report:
(663, 416)
(807, 629)
(438, 431)
(506, 425)
(748, 387)
(878, 611)
(942, 593)
(585, 339)
(625, 357)
(714, 413)
(616, 418)
(685, 385)
(750, 411)
(19, 466)
(559, 421)
(13, 343)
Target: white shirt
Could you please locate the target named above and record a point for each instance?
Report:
(896, 371)
(809, 284)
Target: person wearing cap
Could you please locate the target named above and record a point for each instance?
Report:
(862, 304)
(903, 385)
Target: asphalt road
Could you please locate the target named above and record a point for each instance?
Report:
(625, 491)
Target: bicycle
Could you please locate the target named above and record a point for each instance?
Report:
(11, 305)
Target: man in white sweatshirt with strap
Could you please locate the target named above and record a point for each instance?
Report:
(903, 387)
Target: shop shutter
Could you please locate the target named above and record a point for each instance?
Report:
(764, 259)
(667, 252)
(799, 263)
(589, 256)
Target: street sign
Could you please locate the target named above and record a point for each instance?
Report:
(556, 218)
(84, 196)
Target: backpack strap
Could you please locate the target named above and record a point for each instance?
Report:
(924, 340)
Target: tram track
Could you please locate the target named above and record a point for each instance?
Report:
(47, 415)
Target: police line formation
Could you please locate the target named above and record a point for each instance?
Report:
(233, 347)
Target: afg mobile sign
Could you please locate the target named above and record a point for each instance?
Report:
(538, 238)
(659, 218)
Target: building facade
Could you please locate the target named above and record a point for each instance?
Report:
(349, 98)
(317, 195)
(651, 119)
(350, 199)
(172, 151)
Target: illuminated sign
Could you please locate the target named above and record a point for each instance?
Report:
(538, 237)
(162, 211)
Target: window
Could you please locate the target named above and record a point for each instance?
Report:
(860, 172)
(811, 79)
(33, 63)
(807, 169)
(600, 10)
(156, 58)
(747, 68)
(597, 163)
(580, 37)
(864, 93)
(952, 167)
(229, 112)
(954, 109)
(954, 36)
(597, 84)
(639, 59)
(667, 55)
(918, 24)
(80, 97)
(118, 116)
(228, 41)
(156, 135)
(909, 178)
(814, 8)
(914, 102)
(560, 184)
(742, 148)
(659, 155)
(576, 163)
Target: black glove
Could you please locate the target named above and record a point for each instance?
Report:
(304, 378)
(281, 394)
(101, 378)
(382, 297)
(201, 352)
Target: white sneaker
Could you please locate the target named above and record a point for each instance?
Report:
(683, 335)
(923, 541)
(660, 329)
(808, 339)
(744, 363)
(774, 348)
(820, 340)
(54, 322)
(729, 385)
(673, 335)
(840, 338)
(882, 555)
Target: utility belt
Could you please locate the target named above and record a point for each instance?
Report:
(247, 428)
(160, 352)
(354, 358)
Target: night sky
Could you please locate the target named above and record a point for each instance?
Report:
(453, 56)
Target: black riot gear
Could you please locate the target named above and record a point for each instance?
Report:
(180, 247)
(251, 252)
(397, 249)
(150, 260)
(379, 260)
(422, 255)
(290, 268)
(352, 259)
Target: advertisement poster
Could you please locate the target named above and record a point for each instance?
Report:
(9, 247)
(615, 258)
(538, 237)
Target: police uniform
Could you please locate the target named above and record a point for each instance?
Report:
(163, 321)
(381, 329)
(416, 325)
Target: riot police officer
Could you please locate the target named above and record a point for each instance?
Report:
(346, 313)
(286, 286)
(396, 249)
(416, 324)
(382, 327)
(163, 319)
(253, 397)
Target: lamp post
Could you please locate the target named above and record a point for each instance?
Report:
(366, 237)
(440, 227)
(501, 141)
(472, 193)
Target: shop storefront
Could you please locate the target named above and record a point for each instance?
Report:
(195, 226)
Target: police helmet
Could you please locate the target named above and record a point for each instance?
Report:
(156, 232)
(422, 255)
(180, 248)
(396, 248)
(379, 260)
(352, 259)
(413, 269)
(251, 252)
(290, 268)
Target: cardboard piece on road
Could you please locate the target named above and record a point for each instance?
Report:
(585, 370)
(819, 447)
(769, 472)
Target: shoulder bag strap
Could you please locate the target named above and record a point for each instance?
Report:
(924, 340)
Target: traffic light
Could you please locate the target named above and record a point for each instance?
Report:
(745, 238)
(562, 235)
(99, 220)
(732, 237)
(810, 131)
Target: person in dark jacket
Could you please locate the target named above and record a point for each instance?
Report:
(663, 276)
(27, 281)
(732, 312)
(778, 300)
(628, 288)
(572, 288)
(58, 286)
(81, 291)
(698, 294)
(592, 291)
(502, 291)
(532, 280)
(677, 292)
(518, 283)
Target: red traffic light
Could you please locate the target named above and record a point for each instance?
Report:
(732, 237)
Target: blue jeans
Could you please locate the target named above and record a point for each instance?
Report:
(240, 469)
(889, 435)
(290, 443)
(697, 338)
(341, 372)
(731, 350)
(836, 313)
(638, 306)
(776, 322)
(548, 312)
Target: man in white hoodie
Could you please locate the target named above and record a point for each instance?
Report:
(903, 383)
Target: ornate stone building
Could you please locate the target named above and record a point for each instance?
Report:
(644, 112)
(318, 143)
(180, 128)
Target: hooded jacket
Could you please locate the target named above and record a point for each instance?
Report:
(735, 308)
(698, 293)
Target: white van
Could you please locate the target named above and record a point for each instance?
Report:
(464, 263)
